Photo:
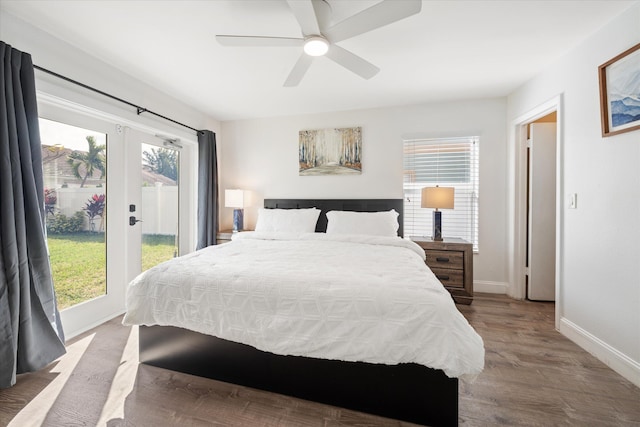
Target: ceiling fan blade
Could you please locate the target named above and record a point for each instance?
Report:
(227, 40)
(306, 16)
(376, 16)
(352, 62)
(299, 70)
(323, 13)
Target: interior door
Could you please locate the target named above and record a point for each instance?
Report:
(542, 212)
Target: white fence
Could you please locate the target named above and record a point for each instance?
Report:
(159, 210)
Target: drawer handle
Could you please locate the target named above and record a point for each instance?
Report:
(442, 259)
(443, 277)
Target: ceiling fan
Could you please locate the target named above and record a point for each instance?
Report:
(319, 39)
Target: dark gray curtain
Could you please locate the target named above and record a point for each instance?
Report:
(31, 335)
(207, 189)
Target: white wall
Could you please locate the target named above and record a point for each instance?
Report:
(600, 274)
(262, 156)
(63, 58)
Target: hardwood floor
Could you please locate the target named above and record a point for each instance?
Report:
(533, 377)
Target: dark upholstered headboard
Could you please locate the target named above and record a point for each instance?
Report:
(325, 205)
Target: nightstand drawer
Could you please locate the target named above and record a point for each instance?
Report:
(451, 260)
(445, 259)
(223, 236)
(449, 277)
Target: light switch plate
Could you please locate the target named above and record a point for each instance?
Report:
(573, 201)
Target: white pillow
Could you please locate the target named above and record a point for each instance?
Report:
(370, 223)
(288, 220)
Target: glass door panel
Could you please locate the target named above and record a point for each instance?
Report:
(159, 207)
(74, 165)
(155, 183)
(83, 161)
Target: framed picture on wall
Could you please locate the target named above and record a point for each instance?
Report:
(620, 92)
(333, 151)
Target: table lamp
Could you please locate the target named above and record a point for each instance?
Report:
(438, 198)
(235, 199)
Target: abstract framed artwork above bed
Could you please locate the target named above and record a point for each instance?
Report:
(333, 151)
(371, 371)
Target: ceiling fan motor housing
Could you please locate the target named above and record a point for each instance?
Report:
(316, 46)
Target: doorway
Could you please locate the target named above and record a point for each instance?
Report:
(94, 251)
(550, 111)
(540, 264)
(158, 199)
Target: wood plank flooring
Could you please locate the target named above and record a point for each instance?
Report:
(533, 377)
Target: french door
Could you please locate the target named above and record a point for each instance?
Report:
(82, 165)
(159, 188)
(118, 201)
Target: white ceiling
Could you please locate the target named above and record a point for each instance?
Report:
(451, 50)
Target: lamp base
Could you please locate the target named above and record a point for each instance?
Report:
(437, 226)
(238, 216)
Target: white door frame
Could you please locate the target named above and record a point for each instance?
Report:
(84, 316)
(517, 200)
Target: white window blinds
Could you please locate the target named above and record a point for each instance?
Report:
(447, 162)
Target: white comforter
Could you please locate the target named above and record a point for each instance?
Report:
(353, 298)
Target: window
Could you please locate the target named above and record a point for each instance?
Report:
(447, 162)
(74, 163)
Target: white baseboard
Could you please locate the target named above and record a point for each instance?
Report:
(619, 362)
(68, 335)
(490, 287)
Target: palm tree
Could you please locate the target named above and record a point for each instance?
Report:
(88, 162)
(163, 162)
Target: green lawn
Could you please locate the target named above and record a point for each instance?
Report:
(78, 262)
(157, 248)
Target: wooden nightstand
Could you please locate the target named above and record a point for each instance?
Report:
(223, 236)
(451, 260)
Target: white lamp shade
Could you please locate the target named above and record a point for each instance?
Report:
(234, 199)
(437, 197)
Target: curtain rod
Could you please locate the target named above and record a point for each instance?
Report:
(139, 109)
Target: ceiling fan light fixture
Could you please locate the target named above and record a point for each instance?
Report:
(316, 46)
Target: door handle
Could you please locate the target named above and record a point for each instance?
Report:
(133, 220)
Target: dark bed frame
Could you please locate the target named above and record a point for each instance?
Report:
(407, 392)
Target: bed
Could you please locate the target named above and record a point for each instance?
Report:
(408, 380)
